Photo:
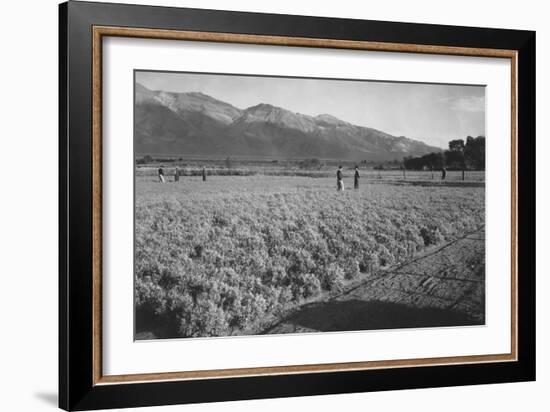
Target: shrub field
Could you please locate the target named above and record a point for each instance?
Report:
(221, 257)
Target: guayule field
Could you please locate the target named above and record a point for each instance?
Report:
(234, 254)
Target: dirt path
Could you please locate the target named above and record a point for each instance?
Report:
(442, 287)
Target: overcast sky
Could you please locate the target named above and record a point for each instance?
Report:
(430, 113)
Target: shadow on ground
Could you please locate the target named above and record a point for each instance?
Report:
(49, 398)
(430, 183)
(367, 315)
(151, 326)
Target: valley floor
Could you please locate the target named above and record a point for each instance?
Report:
(285, 254)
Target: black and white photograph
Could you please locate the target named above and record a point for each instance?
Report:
(271, 205)
(249, 206)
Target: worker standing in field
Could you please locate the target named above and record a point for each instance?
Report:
(339, 179)
(443, 173)
(204, 173)
(177, 175)
(356, 178)
(161, 175)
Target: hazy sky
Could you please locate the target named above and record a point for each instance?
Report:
(430, 113)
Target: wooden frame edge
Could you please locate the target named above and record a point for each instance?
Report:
(98, 32)
(298, 369)
(297, 41)
(97, 302)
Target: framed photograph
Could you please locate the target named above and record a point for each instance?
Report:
(257, 205)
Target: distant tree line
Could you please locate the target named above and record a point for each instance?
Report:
(145, 160)
(148, 159)
(394, 164)
(469, 155)
(310, 164)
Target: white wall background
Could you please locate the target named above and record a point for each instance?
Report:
(28, 203)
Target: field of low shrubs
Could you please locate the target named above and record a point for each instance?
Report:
(219, 258)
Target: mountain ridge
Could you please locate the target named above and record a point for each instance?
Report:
(169, 122)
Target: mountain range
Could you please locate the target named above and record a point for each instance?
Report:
(194, 123)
